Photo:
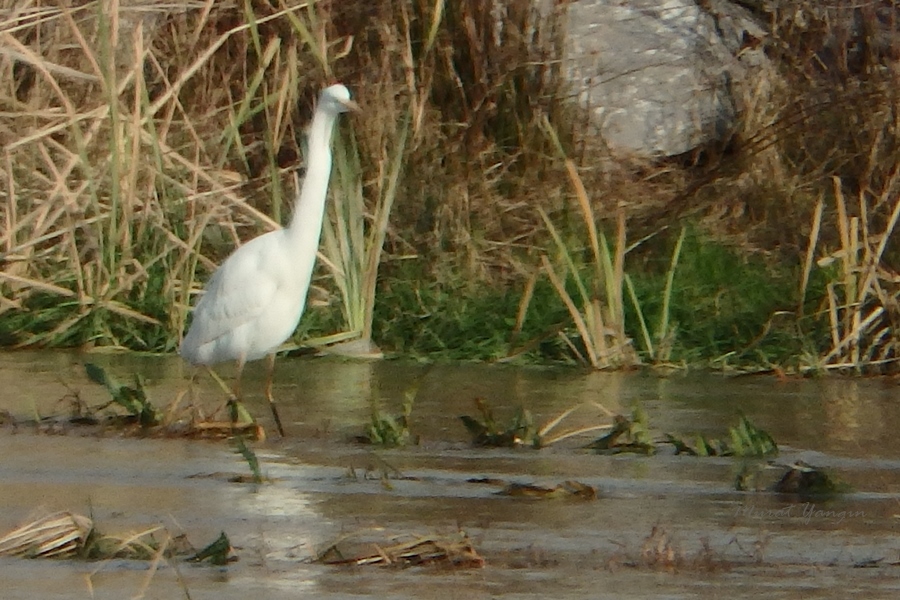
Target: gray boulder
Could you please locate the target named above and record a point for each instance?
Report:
(660, 78)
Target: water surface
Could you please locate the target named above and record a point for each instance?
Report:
(325, 485)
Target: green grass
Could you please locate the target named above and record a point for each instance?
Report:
(722, 305)
(721, 302)
(443, 316)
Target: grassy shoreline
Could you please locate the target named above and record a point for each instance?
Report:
(140, 146)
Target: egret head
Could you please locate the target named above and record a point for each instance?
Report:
(337, 99)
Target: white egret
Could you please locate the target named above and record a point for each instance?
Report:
(254, 300)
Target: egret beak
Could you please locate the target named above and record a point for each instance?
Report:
(351, 106)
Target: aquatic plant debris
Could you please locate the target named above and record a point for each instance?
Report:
(565, 490)
(389, 431)
(217, 553)
(176, 419)
(627, 435)
(747, 474)
(489, 433)
(132, 399)
(808, 483)
(745, 440)
(542, 438)
(454, 550)
(65, 534)
(55, 535)
(522, 431)
(658, 551)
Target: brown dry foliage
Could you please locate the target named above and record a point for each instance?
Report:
(142, 140)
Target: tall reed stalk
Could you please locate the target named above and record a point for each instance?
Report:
(598, 318)
(597, 309)
(141, 142)
(859, 305)
(354, 235)
(658, 345)
(131, 160)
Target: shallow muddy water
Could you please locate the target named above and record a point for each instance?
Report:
(325, 485)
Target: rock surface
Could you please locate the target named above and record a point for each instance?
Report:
(659, 77)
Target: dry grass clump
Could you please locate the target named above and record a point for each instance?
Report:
(819, 125)
(143, 140)
(862, 296)
(451, 551)
(65, 534)
(842, 143)
(52, 535)
(825, 105)
(123, 157)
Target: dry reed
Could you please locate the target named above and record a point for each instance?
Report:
(142, 140)
(863, 298)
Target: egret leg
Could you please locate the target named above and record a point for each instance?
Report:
(236, 390)
(270, 375)
(235, 403)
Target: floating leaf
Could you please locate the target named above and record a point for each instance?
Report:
(626, 435)
(132, 399)
(217, 553)
(745, 440)
(489, 433)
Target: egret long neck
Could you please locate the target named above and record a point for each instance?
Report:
(306, 224)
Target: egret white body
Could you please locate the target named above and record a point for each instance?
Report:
(254, 300)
